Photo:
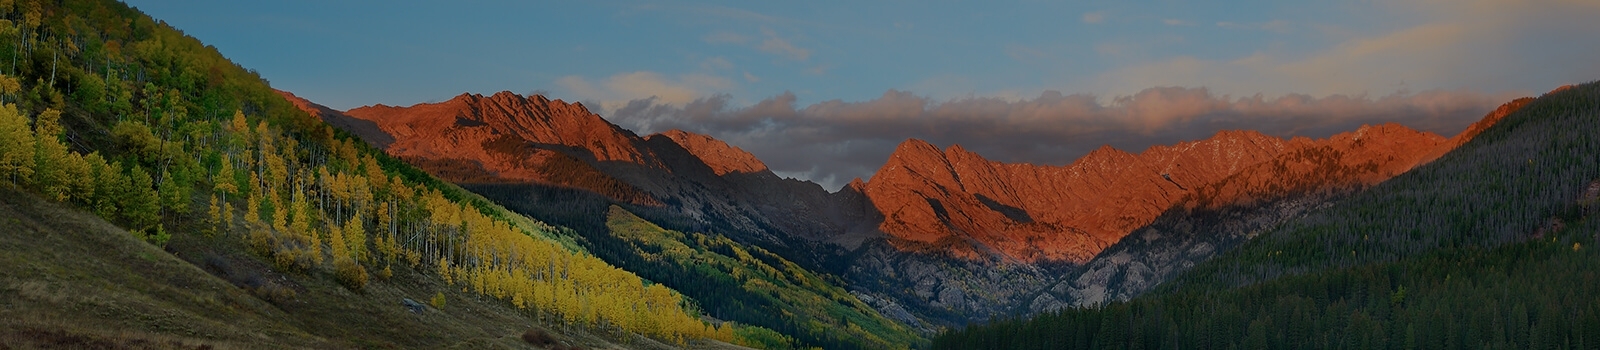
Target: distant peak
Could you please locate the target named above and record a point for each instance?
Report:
(720, 156)
(856, 184)
(914, 146)
(507, 94)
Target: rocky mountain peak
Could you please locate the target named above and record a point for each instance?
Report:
(720, 156)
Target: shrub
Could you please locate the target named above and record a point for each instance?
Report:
(350, 273)
(538, 337)
(438, 301)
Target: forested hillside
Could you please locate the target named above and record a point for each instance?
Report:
(111, 111)
(1490, 246)
(751, 283)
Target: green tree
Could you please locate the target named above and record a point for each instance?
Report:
(175, 190)
(108, 185)
(141, 206)
(50, 174)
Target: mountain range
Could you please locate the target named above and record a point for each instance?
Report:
(154, 194)
(932, 228)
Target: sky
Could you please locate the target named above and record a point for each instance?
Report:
(824, 90)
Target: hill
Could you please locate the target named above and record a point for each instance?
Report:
(77, 281)
(1491, 245)
(112, 112)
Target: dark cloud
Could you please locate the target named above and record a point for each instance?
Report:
(832, 142)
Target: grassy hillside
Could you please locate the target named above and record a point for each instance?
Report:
(105, 109)
(1491, 246)
(750, 283)
(77, 281)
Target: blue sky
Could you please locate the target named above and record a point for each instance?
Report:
(796, 82)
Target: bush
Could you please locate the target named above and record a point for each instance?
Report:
(538, 337)
(350, 273)
(274, 293)
(438, 301)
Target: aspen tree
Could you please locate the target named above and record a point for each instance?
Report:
(50, 154)
(16, 145)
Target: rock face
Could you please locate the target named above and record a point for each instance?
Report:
(465, 126)
(959, 202)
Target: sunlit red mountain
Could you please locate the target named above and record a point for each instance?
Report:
(922, 199)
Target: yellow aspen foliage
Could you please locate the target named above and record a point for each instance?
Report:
(227, 216)
(49, 177)
(280, 213)
(214, 216)
(81, 181)
(444, 271)
(252, 210)
(223, 181)
(16, 145)
(336, 245)
(300, 211)
(437, 301)
(355, 238)
(238, 125)
(374, 173)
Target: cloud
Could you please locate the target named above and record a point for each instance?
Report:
(834, 141)
(1176, 22)
(715, 64)
(770, 43)
(617, 90)
(1096, 17)
(782, 47)
(1276, 26)
(725, 38)
(1528, 45)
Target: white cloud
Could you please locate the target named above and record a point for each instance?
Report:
(1176, 22)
